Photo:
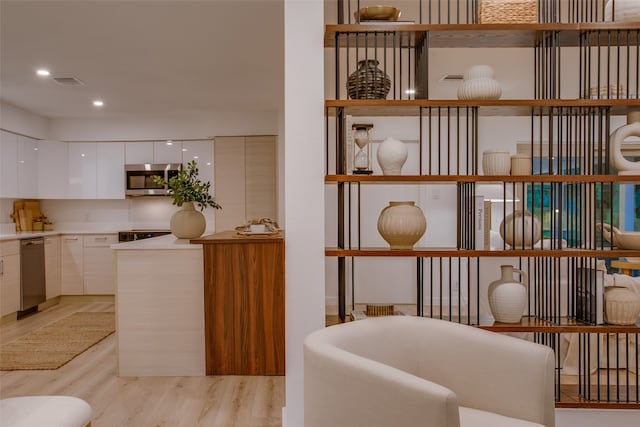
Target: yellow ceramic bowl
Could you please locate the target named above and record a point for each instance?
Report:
(378, 13)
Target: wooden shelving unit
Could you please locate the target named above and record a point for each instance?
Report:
(556, 123)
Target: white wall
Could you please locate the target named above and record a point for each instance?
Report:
(304, 189)
(18, 120)
(196, 126)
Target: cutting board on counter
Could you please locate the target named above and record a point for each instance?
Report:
(24, 212)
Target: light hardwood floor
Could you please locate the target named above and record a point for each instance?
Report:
(213, 401)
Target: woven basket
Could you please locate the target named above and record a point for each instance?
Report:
(508, 12)
(374, 310)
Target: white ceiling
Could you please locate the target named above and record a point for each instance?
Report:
(142, 57)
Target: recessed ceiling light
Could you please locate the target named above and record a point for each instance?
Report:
(410, 91)
(196, 157)
(43, 72)
(169, 142)
(184, 149)
(98, 103)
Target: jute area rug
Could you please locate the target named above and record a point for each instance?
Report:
(54, 345)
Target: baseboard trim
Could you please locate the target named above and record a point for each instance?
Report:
(87, 298)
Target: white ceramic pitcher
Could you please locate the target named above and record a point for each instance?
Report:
(508, 296)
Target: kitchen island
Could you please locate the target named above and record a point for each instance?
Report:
(244, 302)
(160, 307)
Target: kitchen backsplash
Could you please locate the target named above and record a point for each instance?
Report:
(102, 215)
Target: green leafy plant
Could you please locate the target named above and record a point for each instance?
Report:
(186, 187)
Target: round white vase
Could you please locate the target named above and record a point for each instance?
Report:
(391, 156)
(482, 88)
(520, 230)
(402, 224)
(621, 305)
(479, 84)
(508, 296)
(625, 10)
(616, 159)
(187, 222)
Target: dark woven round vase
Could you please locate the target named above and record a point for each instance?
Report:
(368, 81)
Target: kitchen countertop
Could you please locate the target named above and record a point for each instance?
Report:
(168, 241)
(31, 234)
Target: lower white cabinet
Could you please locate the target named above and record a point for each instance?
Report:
(88, 264)
(9, 277)
(99, 264)
(72, 264)
(53, 266)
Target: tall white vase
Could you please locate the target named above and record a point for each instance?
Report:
(508, 296)
(187, 222)
(391, 156)
(402, 224)
(616, 159)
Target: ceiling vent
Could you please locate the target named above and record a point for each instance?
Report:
(68, 81)
(451, 77)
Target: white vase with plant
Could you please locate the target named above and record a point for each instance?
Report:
(186, 190)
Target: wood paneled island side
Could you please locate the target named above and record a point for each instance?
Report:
(244, 303)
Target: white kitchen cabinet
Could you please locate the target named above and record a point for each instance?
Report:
(9, 277)
(110, 170)
(72, 264)
(167, 152)
(8, 164)
(53, 170)
(82, 170)
(99, 264)
(202, 153)
(138, 152)
(27, 167)
(53, 266)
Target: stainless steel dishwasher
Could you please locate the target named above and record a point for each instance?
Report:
(32, 281)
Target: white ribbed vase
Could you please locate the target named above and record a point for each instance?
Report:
(621, 305)
(521, 230)
(616, 159)
(391, 156)
(482, 88)
(625, 10)
(508, 296)
(402, 224)
(187, 223)
(496, 162)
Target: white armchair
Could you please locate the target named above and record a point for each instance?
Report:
(411, 371)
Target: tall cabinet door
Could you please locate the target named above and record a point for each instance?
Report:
(53, 170)
(27, 167)
(82, 170)
(229, 182)
(52, 266)
(8, 165)
(110, 170)
(260, 180)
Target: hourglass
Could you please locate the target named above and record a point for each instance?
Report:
(362, 157)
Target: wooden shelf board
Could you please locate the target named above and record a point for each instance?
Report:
(465, 253)
(487, 108)
(467, 35)
(482, 178)
(570, 397)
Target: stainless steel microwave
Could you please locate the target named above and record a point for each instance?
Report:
(139, 178)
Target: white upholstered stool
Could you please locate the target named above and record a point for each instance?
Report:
(51, 411)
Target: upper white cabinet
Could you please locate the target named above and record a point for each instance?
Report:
(82, 170)
(167, 152)
(8, 164)
(53, 170)
(27, 167)
(138, 153)
(110, 170)
(157, 152)
(202, 153)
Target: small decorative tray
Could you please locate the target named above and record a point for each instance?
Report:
(254, 233)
